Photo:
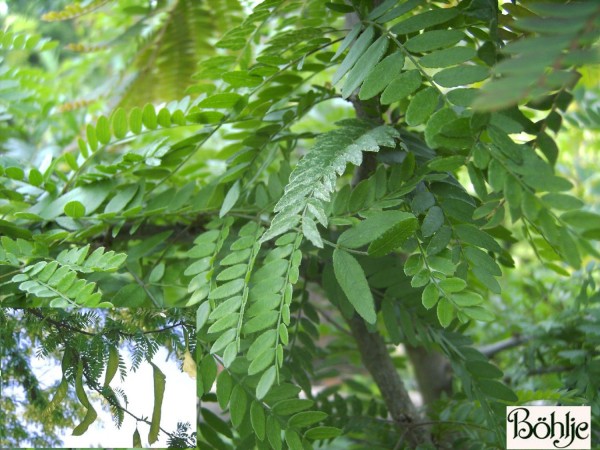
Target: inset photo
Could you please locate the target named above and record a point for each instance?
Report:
(97, 378)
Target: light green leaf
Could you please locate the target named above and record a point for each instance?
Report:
(401, 86)
(445, 312)
(364, 65)
(221, 101)
(230, 199)
(310, 231)
(381, 75)
(353, 282)
(359, 47)
(266, 381)
(119, 123)
(347, 41)
(450, 285)
(430, 296)
(103, 130)
(74, 209)
(227, 290)
(149, 117)
(467, 298)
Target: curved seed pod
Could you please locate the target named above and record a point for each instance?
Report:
(112, 366)
(159, 391)
(59, 395)
(90, 415)
(137, 440)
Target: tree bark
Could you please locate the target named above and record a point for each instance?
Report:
(377, 360)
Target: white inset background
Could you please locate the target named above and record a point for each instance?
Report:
(179, 403)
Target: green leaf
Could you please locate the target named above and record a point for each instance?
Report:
(221, 101)
(353, 282)
(364, 65)
(479, 313)
(433, 221)
(450, 285)
(445, 312)
(381, 75)
(202, 315)
(423, 104)
(274, 432)
(227, 290)
(475, 236)
(74, 209)
(424, 20)
(348, 40)
(257, 419)
(394, 237)
(262, 361)
(371, 228)
(320, 433)
(103, 130)
(461, 75)
(439, 241)
(292, 406)
(230, 199)
(483, 369)
(310, 231)
(447, 57)
(135, 120)
(266, 381)
(149, 117)
(164, 118)
(498, 390)
(293, 440)
(433, 40)
(224, 388)
(119, 123)
(401, 86)
(430, 296)
(467, 298)
(357, 50)
(563, 202)
(306, 418)
(238, 404)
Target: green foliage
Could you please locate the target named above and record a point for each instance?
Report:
(217, 182)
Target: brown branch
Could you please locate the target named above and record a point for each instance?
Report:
(491, 350)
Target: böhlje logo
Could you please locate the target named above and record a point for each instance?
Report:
(548, 427)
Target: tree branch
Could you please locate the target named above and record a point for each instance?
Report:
(491, 350)
(66, 326)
